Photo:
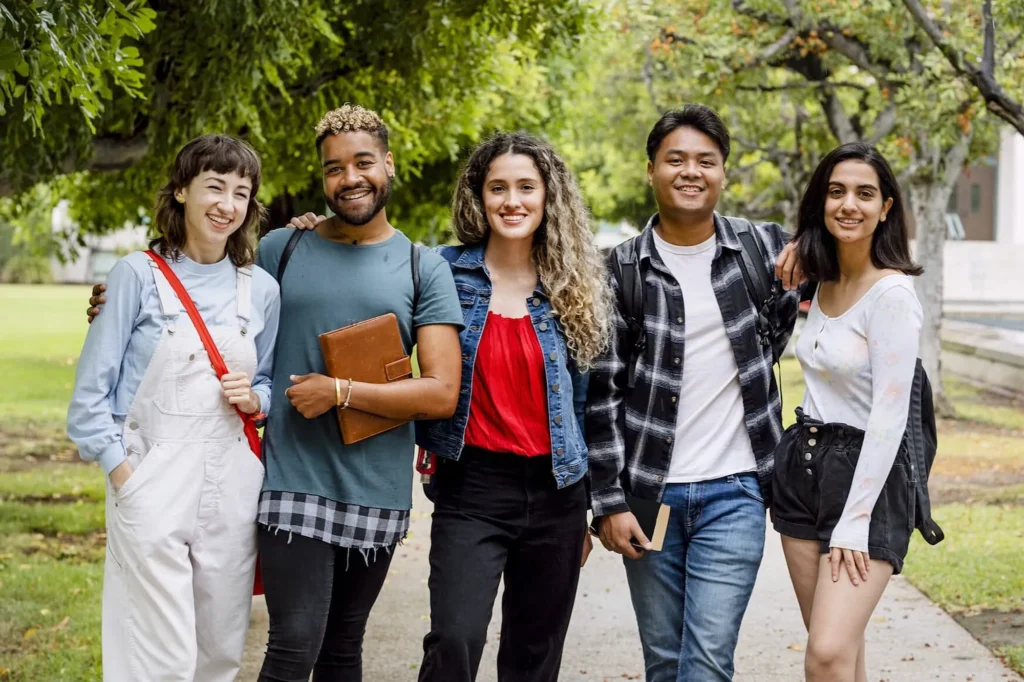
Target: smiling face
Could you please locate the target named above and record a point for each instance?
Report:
(358, 173)
(687, 174)
(215, 206)
(854, 204)
(514, 196)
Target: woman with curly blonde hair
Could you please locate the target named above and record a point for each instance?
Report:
(510, 498)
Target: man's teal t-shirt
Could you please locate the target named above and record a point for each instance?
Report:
(328, 285)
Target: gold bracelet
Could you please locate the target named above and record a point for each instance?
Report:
(348, 396)
(337, 392)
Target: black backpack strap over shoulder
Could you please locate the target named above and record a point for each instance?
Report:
(286, 255)
(414, 264)
(755, 273)
(760, 283)
(625, 267)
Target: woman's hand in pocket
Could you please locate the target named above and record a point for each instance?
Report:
(238, 391)
(120, 474)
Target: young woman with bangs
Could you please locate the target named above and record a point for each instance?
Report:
(182, 480)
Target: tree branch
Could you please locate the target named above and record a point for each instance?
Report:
(1012, 44)
(981, 76)
(988, 56)
(647, 73)
(107, 154)
(884, 124)
(111, 154)
(839, 121)
(778, 46)
(800, 86)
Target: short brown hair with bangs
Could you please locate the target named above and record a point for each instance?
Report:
(220, 154)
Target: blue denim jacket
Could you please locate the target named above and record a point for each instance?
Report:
(567, 387)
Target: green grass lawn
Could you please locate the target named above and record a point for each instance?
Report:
(52, 514)
(51, 506)
(40, 338)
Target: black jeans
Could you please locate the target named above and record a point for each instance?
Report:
(501, 515)
(319, 598)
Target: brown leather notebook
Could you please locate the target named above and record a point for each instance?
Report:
(371, 352)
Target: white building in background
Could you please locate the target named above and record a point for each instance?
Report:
(984, 265)
(99, 254)
(1009, 216)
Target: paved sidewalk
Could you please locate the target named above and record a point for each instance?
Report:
(909, 640)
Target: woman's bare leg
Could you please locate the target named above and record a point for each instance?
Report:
(839, 617)
(802, 557)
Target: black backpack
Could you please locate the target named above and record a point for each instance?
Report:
(920, 436)
(922, 443)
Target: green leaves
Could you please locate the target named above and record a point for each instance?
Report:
(98, 78)
(60, 53)
(10, 55)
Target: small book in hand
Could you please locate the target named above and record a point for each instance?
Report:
(370, 352)
(652, 517)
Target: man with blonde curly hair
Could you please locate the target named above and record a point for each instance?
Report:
(331, 515)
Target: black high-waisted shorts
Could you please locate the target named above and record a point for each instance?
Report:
(814, 465)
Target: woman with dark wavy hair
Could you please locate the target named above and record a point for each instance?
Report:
(510, 498)
(843, 497)
(182, 481)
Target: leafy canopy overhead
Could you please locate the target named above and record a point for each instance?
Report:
(98, 95)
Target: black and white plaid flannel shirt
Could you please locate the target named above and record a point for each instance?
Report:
(630, 433)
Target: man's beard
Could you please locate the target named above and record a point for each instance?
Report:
(360, 217)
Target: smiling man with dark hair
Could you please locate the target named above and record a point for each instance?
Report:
(683, 408)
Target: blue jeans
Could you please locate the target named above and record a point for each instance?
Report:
(690, 597)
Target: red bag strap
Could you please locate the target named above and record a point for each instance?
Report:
(216, 359)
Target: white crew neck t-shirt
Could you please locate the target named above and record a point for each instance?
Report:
(711, 439)
(859, 369)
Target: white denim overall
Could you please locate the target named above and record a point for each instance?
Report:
(181, 531)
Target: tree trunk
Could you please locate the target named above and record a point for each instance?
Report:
(929, 196)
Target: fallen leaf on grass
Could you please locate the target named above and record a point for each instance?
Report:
(29, 634)
(61, 625)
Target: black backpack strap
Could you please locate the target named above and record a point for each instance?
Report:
(922, 445)
(414, 263)
(759, 282)
(625, 267)
(286, 255)
(755, 272)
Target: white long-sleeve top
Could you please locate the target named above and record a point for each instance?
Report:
(859, 369)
